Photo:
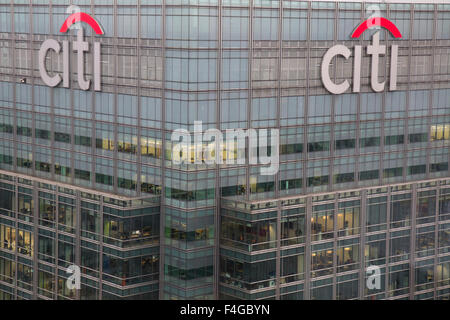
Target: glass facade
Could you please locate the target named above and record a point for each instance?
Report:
(88, 178)
(326, 243)
(45, 228)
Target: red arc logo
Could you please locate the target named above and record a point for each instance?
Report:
(379, 22)
(81, 17)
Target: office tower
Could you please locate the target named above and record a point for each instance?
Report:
(92, 91)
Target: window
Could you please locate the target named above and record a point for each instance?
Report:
(24, 131)
(83, 175)
(322, 21)
(438, 167)
(42, 134)
(66, 253)
(376, 214)
(344, 177)
(322, 222)
(318, 181)
(90, 260)
(418, 169)
(369, 142)
(7, 199)
(444, 205)
(318, 146)
(131, 228)
(24, 276)
(426, 206)
(46, 247)
(25, 243)
(345, 144)
(26, 204)
(347, 290)
(7, 237)
(47, 210)
(322, 293)
(292, 268)
(322, 262)
(347, 257)
(348, 218)
(293, 229)
(400, 210)
(265, 23)
(62, 137)
(375, 249)
(369, 175)
(291, 148)
(90, 221)
(83, 133)
(46, 283)
(391, 140)
(104, 179)
(392, 172)
(400, 246)
(262, 233)
(399, 280)
(66, 215)
(425, 241)
(418, 137)
(424, 277)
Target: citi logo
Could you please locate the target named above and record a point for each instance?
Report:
(375, 50)
(80, 47)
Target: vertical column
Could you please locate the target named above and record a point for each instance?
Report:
(406, 144)
(116, 84)
(436, 240)
(16, 218)
(358, 125)
(52, 112)
(78, 235)
(335, 246)
(56, 221)
(388, 239)
(162, 218)
(36, 238)
(306, 107)
(306, 292)
(33, 110)
(277, 175)
(100, 274)
(383, 122)
(362, 242)
(250, 86)
(412, 274)
(216, 266)
(278, 253)
(13, 60)
(333, 126)
(138, 91)
(430, 99)
(94, 131)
